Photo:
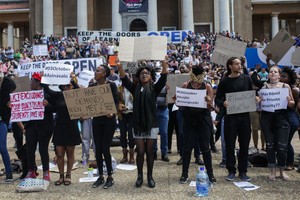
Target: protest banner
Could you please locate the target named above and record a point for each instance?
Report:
(22, 83)
(131, 67)
(174, 37)
(79, 65)
(279, 45)
(57, 74)
(90, 102)
(142, 48)
(296, 57)
(133, 6)
(40, 50)
(241, 102)
(226, 48)
(174, 81)
(273, 99)
(27, 106)
(190, 98)
(85, 77)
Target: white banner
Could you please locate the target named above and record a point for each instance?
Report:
(190, 98)
(85, 77)
(273, 99)
(40, 50)
(27, 106)
(173, 36)
(57, 74)
(79, 65)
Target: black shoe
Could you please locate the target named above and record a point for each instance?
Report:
(109, 182)
(214, 149)
(223, 163)
(199, 161)
(212, 178)
(98, 182)
(244, 177)
(151, 182)
(9, 178)
(154, 155)
(165, 158)
(139, 181)
(230, 177)
(183, 179)
(179, 162)
(169, 151)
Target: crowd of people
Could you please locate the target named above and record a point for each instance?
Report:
(143, 110)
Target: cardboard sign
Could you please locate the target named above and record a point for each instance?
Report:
(40, 50)
(273, 99)
(90, 102)
(279, 45)
(22, 83)
(131, 67)
(85, 77)
(142, 48)
(57, 74)
(226, 48)
(296, 57)
(27, 106)
(241, 102)
(174, 81)
(112, 60)
(190, 98)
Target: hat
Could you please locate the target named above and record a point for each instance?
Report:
(37, 76)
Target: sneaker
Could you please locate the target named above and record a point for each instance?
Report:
(46, 176)
(31, 174)
(230, 177)
(179, 162)
(109, 182)
(9, 178)
(165, 158)
(169, 151)
(244, 177)
(98, 182)
(199, 161)
(183, 179)
(223, 163)
(212, 178)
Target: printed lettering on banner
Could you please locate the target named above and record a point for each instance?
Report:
(27, 106)
(90, 102)
(190, 98)
(57, 74)
(241, 102)
(273, 99)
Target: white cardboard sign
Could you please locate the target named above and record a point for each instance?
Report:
(190, 98)
(57, 74)
(273, 99)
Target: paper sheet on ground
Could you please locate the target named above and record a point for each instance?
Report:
(126, 167)
(95, 171)
(88, 179)
(246, 185)
(193, 183)
(54, 167)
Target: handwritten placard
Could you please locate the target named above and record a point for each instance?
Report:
(90, 102)
(273, 99)
(241, 102)
(27, 106)
(226, 48)
(174, 81)
(40, 50)
(279, 45)
(142, 48)
(85, 77)
(190, 98)
(57, 74)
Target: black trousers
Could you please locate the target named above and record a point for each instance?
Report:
(103, 134)
(18, 135)
(172, 124)
(237, 125)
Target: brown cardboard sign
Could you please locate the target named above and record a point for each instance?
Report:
(22, 83)
(90, 102)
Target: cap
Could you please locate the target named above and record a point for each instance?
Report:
(37, 76)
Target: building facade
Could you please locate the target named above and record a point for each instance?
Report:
(250, 18)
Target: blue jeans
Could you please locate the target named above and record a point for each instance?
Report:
(3, 147)
(294, 124)
(223, 140)
(163, 118)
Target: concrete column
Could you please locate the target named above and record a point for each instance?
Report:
(187, 17)
(152, 15)
(116, 16)
(275, 24)
(224, 15)
(48, 17)
(10, 35)
(82, 15)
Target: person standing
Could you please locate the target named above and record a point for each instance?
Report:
(235, 125)
(145, 93)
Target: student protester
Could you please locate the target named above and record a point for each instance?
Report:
(276, 128)
(145, 93)
(235, 125)
(197, 124)
(66, 133)
(103, 130)
(7, 86)
(39, 131)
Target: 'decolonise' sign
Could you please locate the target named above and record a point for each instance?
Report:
(90, 102)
